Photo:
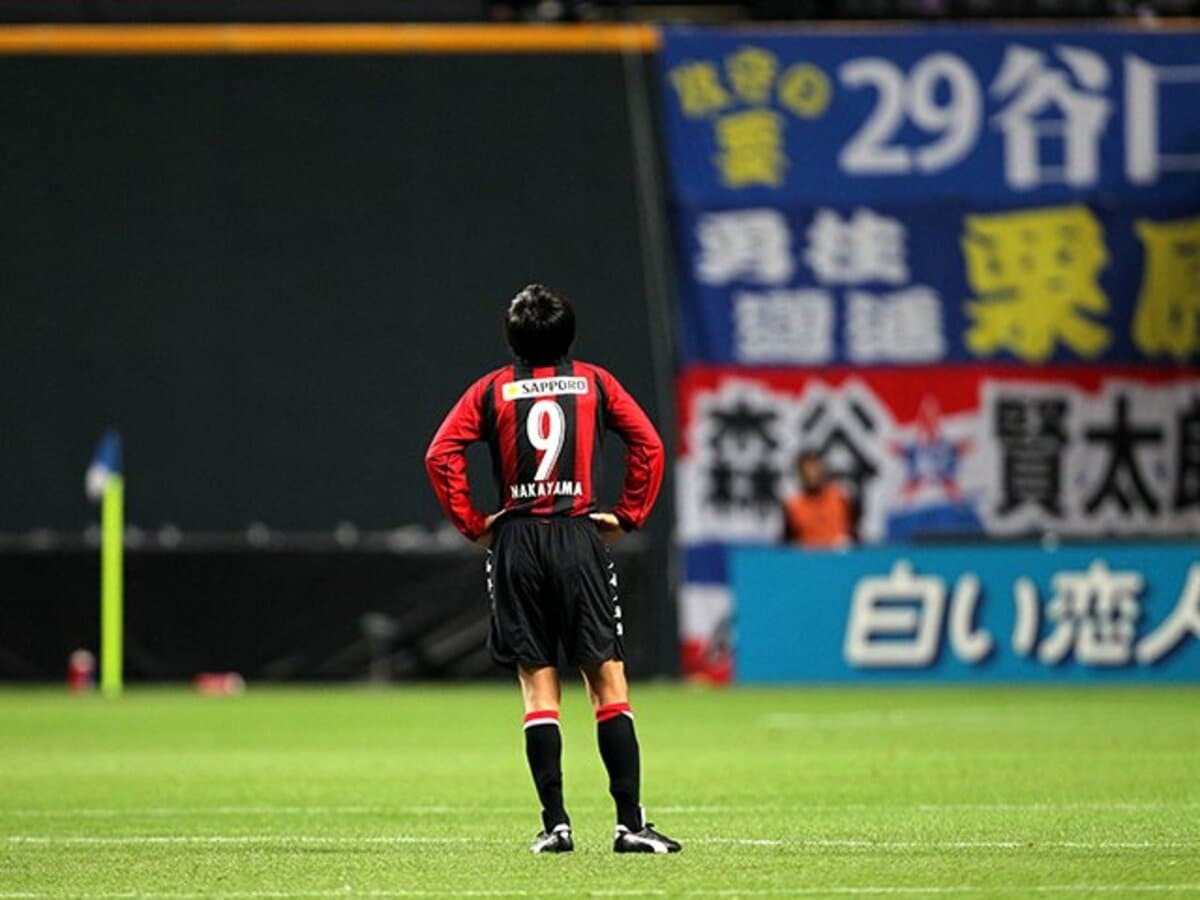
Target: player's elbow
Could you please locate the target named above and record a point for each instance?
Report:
(653, 448)
(434, 455)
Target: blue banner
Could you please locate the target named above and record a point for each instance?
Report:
(1031, 115)
(1096, 613)
(888, 198)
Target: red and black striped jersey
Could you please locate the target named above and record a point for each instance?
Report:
(544, 426)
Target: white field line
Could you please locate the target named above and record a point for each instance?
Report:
(749, 807)
(917, 715)
(873, 718)
(237, 839)
(862, 844)
(217, 840)
(842, 890)
(1031, 844)
(148, 811)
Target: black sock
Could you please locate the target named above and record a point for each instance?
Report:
(619, 750)
(543, 749)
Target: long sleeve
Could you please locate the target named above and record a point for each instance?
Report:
(446, 461)
(645, 456)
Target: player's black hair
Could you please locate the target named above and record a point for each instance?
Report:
(808, 454)
(539, 325)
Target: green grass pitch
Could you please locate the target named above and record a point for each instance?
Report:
(423, 791)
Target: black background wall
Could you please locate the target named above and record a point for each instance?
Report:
(275, 274)
(280, 615)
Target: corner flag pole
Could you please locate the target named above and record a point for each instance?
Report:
(112, 566)
(105, 483)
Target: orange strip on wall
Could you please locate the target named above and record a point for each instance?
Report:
(84, 40)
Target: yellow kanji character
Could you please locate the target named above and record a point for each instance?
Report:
(1036, 273)
(752, 73)
(751, 144)
(699, 88)
(1167, 319)
(804, 90)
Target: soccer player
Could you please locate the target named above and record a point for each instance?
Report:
(549, 576)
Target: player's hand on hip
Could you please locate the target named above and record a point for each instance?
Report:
(609, 525)
(485, 539)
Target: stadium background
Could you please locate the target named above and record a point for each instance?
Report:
(275, 274)
(274, 270)
(272, 256)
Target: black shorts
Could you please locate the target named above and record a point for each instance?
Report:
(551, 583)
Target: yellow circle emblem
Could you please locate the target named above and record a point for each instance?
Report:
(804, 90)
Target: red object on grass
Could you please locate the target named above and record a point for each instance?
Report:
(221, 684)
(81, 671)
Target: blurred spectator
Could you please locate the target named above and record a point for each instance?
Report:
(820, 515)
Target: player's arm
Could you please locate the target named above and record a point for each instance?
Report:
(645, 456)
(446, 461)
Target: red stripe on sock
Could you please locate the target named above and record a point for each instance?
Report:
(542, 714)
(611, 711)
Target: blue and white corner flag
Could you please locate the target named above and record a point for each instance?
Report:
(105, 485)
(105, 465)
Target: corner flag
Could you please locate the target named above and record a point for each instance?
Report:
(104, 484)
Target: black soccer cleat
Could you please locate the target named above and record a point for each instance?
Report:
(645, 841)
(557, 840)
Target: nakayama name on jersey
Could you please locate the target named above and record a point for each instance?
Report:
(541, 387)
(533, 489)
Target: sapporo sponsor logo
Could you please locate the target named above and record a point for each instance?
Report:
(544, 387)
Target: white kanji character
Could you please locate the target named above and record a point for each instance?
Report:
(1078, 117)
(1095, 615)
(881, 632)
(784, 326)
(1183, 620)
(1144, 83)
(864, 247)
(904, 326)
(745, 245)
(1025, 629)
(969, 643)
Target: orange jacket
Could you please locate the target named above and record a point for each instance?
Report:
(820, 520)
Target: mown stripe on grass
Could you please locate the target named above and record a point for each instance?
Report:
(842, 890)
(36, 840)
(685, 809)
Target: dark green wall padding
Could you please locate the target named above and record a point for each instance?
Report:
(275, 274)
